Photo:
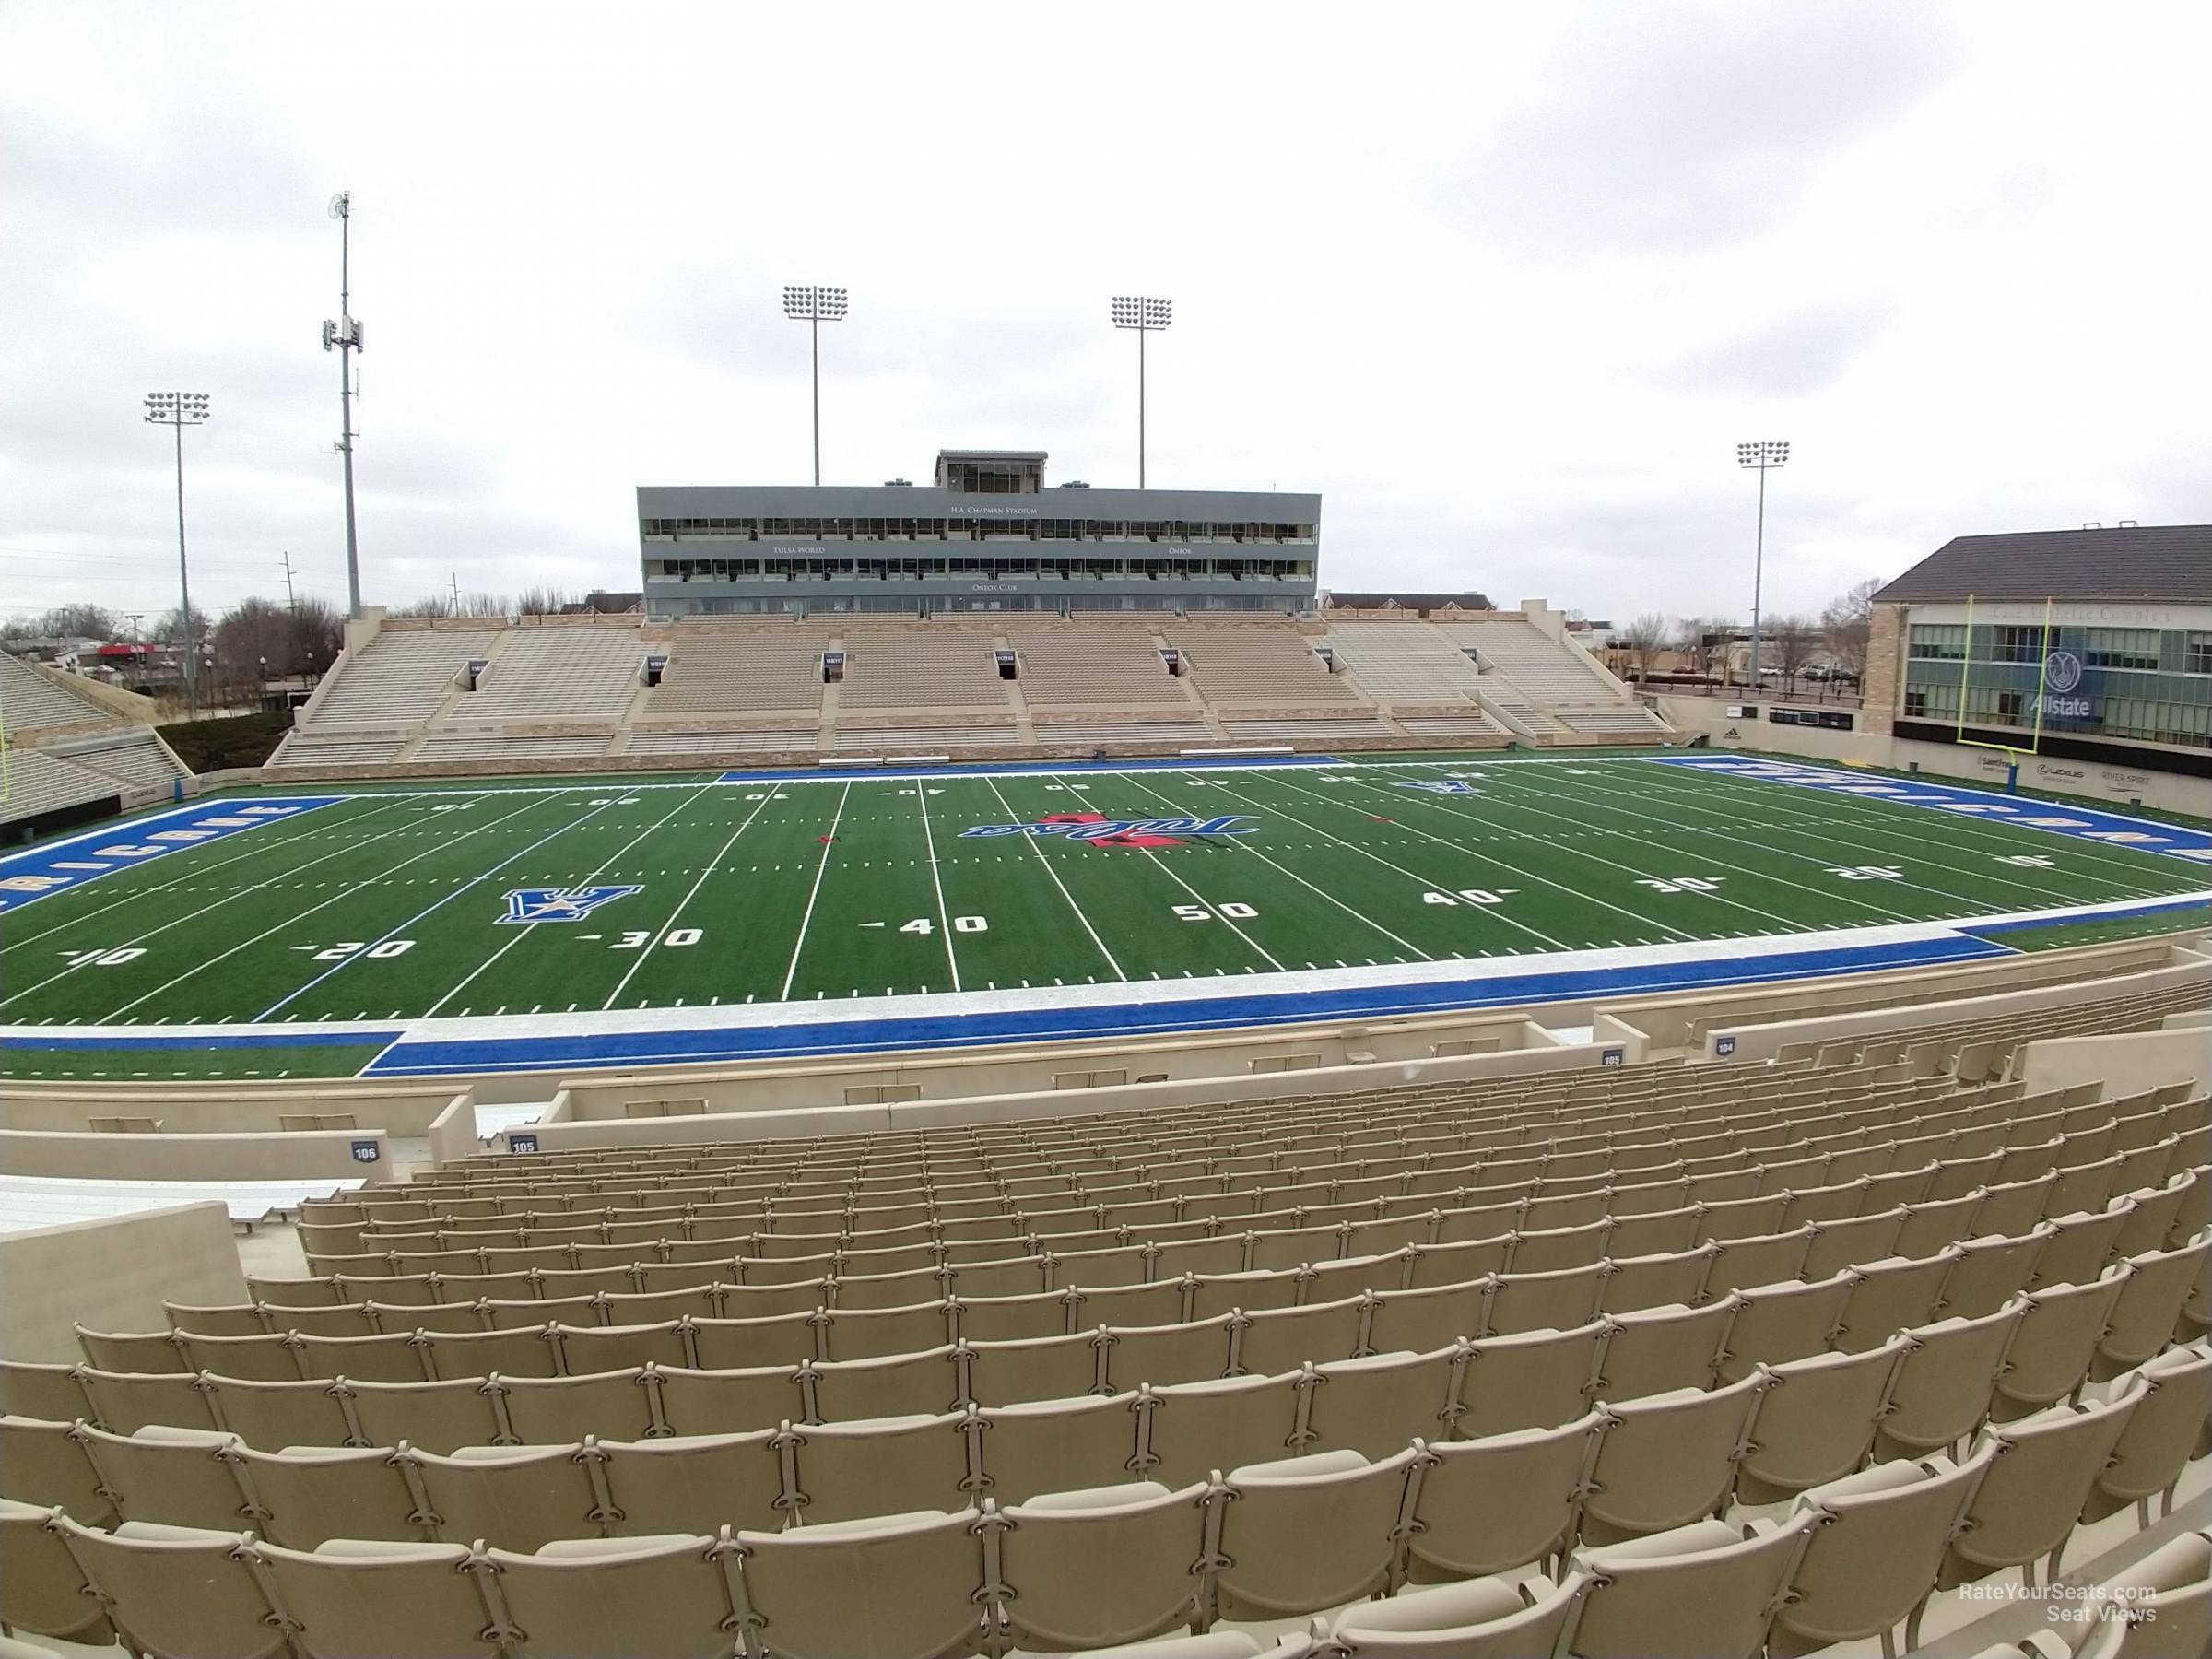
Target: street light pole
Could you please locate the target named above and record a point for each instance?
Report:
(815, 306)
(1144, 316)
(178, 410)
(344, 336)
(1762, 455)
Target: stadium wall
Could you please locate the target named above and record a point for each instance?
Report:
(2125, 1062)
(2114, 785)
(111, 1274)
(179, 1157)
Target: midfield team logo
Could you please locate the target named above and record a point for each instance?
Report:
(1097, 829)
(560, 904)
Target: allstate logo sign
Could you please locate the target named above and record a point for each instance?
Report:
(2061, 671)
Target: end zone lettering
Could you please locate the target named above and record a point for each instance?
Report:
(1091, 828)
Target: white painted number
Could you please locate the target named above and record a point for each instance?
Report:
(1468, 896)
(1681, 884)
(634, 940)
(380, 952)
(1867, 872)
(920, 925)
(681, 937)
(104, 957)
(970, 924)
(1232, 910)
(2027, 861)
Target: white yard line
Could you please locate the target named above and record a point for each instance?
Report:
(1012, 816)
(528, 928)
(260, 849)
(437, 904)
(929, 841)
(829, 846)
(1521, 870)
(1441, 803)
(189, 916)
(1244, 844)
(1915, 833)
(654, 944)
(1228, 922)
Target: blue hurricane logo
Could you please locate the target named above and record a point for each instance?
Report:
(2061, 671)
(560, 904)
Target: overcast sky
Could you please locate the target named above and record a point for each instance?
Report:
(1505, 284)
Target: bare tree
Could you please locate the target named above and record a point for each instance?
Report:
(1794, 641)
(1690, 643)
(79, 622)
(542, 601)
(318, 635)
(1645, 638)
(253, 640)
(1847, 623)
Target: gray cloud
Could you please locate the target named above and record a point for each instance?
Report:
(1796, 355)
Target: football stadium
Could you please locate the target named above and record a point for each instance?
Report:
(1003, 1067)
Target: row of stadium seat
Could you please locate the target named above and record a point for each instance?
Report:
(441, 1384)
(1263, 1226)
(1622, 1501)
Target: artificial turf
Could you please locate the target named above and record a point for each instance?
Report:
(391, 904)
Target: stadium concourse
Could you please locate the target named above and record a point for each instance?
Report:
(1161, 1136)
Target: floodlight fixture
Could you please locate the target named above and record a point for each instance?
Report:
(343, 336)
(1765, 456)
(815, 304)
(178, 410)
(1143, 314)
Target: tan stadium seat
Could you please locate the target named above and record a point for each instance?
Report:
(658, 1484)
(517, 1497)
(2027, 1506)
(1872, 1559)
(1662, 1349)
(366, 1599)
(51, 1392)
(149, 1351)
(1648, 1281)
(1942, 1389)
(2082, 1243)
(1303, 1534)
(2150, 1306)
(178, 1476)
(1705, 1591)
(177, 1591)
(848, 1472)
(1376, 1405)
(1193, 1351)
(1422, 1321)
(1666, 1460)
(1540, 1302)
(1037, 1368)
(1817, 1419)
(669, 1595)
(2161, 1606)
(1284, 1338)
(1991, 1271)
(1894, 1295)
(125, 1402)
(2050, 1356)
(823, 1589)
(433, 1417)
(286, 1414)
(2171, 1423)
(317, 1493)
(1501, 1502)
(1534, 1380)
(558, 1411)
(2152, 1216)
(44, 1465)
(1194, 1429)
(40, 1585)
(1111, 1564)
(1485, 1618)
(1779, 1323)
(1061, 1445)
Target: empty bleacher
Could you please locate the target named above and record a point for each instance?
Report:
(921, 739)
(1405, 662)
(134, 756)
(1702, 1359)
(1192, 730)
(1259, 665)
(916, 669)
(1341, 728)
(41, 783)
(1543, 669)
(510, 746)
(712, 673)
(32, 701)
(1471, 724)
(400, 674)
(1104, 667)
(306, 746)
(655, 740)
(558, 673)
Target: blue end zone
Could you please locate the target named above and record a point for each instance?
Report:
(56, 866)
(835, 774)
(2028, 923)
(428, 1058)
(2083, 823)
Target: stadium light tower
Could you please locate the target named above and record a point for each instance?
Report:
(1763, 456)
(178, 410)
(344, 336)
(1146, 316)
(815, 306)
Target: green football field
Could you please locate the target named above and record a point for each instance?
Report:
(579, 897)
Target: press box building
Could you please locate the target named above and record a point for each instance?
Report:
(985, 535)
